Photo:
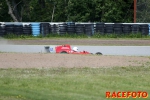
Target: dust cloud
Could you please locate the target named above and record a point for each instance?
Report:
(4, 41)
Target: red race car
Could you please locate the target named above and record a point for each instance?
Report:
(67, 50)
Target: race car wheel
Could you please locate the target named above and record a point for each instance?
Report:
(64, 52)
(99, 53)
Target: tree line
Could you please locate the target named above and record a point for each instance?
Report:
(66, 10)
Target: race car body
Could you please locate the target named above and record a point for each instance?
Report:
(68, 50)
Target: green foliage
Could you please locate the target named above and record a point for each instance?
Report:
(73, 35)
(116, 11)
(66, 35)
(51, 35)
(113, 35)
(37, 13)
(11, 36)
(14, 36)
(143, 14)
(71, 10)
(4, 16)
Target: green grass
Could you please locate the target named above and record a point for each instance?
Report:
(81, 36)
(71, 83)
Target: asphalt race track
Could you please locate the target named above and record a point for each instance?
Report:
(105, 50)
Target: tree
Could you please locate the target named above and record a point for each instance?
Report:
(67, 10)
(118, 11)
(143, 8)
(39, 12)
(99, 10)
(4, 12)
(15, 9)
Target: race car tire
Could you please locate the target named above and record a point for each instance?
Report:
(99, 53)
(63, 52)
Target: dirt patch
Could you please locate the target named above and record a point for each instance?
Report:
(26, 60)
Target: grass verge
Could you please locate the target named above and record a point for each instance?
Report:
(80, 36)
(71, 83)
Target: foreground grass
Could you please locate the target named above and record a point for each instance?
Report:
(71, 84)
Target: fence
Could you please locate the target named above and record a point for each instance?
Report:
(89, 29)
